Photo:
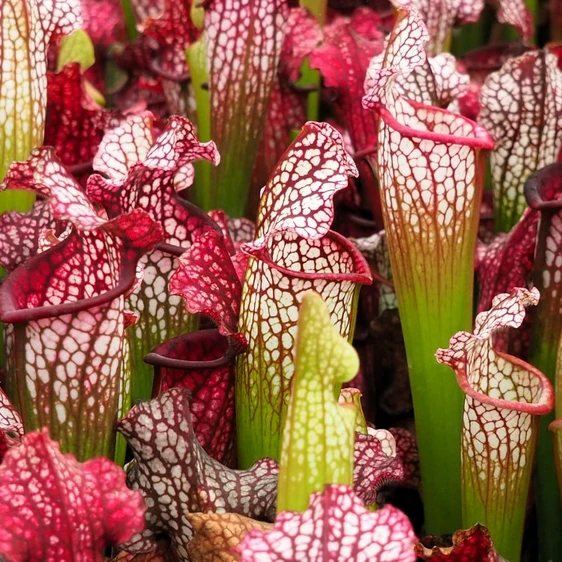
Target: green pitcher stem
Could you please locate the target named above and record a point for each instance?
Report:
(545, 346)
(16, 200)
(125, 400)
(504, 398)
(469, 37)
(544, 352)
(549, 507)
(431, 212)
(309, 77)
(130, 23)
(434, 288)
(197, 61)
(240, 91)
(427, 322)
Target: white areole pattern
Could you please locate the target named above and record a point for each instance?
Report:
(504, 397)
(293, 252)
(522, 109)
(26, 28)
(428, 165)
(67, 307)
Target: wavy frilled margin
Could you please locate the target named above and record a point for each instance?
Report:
(54, 508)
(335, 522)
(517, 14)
(209, 277)
(319, 433)
(26, 28)
(20, 233)
(244, 40)
(430, 171)
(177, 477)
(142, 170)
(521, 106)
(440, 17)
(293, 252)
(505, 263)
(376, 462)
(543, 192)
(66, 306)
(504, 397)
